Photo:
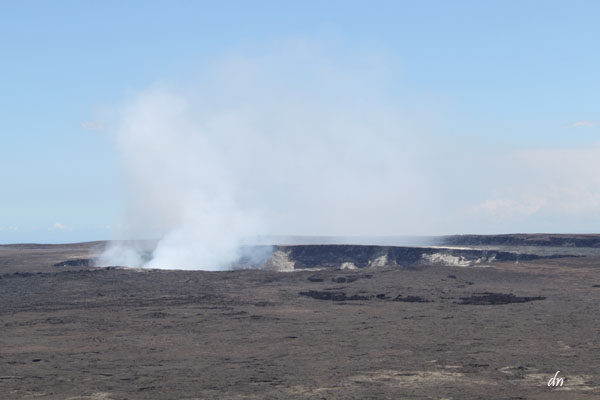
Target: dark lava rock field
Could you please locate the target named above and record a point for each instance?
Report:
(349, 322)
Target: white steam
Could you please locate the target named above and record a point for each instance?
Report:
(262, 146)
(288, 143)
(181, 186)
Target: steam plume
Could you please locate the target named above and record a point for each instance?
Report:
(260, 147)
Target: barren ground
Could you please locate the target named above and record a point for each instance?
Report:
(430, 332)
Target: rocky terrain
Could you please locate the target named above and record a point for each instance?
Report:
(552, 240)
(473, 318)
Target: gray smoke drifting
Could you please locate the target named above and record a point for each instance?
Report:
(285, 144)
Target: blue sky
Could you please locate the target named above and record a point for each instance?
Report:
(519, 77)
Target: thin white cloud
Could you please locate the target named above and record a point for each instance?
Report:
(505, 208)
(556, 185)
(584, 124)
(9, 228)
(92, 126)
(61, 227)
